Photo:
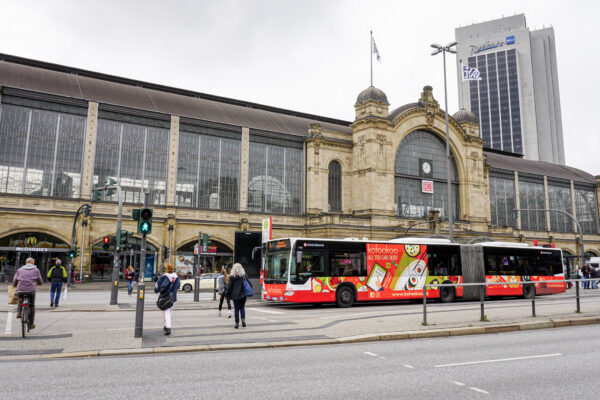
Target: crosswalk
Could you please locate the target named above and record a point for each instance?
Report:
(9, 321)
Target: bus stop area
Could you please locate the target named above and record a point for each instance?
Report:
(85, 325)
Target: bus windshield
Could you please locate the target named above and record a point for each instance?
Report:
(276, 264)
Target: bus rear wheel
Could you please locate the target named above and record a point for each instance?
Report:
(447, 294)
(344, 297)
(528, 291)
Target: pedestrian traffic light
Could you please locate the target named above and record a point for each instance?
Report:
(145, 220)
(74, 252)
(106, 242)
(165, 252)
(515, 214)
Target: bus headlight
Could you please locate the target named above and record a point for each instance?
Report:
(288, 293)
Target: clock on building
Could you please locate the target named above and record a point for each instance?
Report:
(425, 168)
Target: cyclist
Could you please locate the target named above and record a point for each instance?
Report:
(26, 279)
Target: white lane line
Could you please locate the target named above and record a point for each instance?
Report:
(408, 366)
(498, 360)
(8, 329)
(265, 311)
(383, 358)
(370, 354)
(457, 383)
(478, 390)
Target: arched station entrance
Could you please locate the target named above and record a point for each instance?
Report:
(102, 260)
(43, 248)
(218, 254)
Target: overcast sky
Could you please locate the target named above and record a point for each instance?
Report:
(305, 55)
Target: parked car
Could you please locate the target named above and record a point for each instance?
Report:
(207, 281)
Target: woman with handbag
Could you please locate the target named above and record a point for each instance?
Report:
(238, 289)
(167, 285)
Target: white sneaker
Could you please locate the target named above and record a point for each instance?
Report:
(229, 314)
(219, 313)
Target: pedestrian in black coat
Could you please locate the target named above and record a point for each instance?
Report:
(235, 292)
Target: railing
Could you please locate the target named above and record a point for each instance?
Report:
(484, 285)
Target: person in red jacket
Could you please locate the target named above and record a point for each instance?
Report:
(130, 277)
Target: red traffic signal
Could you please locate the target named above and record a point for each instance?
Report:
(106, 240)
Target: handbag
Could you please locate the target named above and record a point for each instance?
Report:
(248, 291)
(12, 295)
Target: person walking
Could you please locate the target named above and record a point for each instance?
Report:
(171, 280)
(25, 280)
(57, 276)
(236, 292)
(130, 277)
(586, 275)
(222, 281)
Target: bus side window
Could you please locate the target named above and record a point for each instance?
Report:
(491, 267)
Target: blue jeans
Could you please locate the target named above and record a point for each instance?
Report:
(240, 308)
(129, 287)
(55, 288)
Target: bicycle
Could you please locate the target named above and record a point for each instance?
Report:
(25, 309)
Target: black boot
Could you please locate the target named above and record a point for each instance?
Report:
(167, 331)
(236, 325)
(243, 323)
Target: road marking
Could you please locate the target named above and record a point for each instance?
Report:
(383, 358)
(457, 383)
(498, 360)
(408, 366)
(370, 354)
(478, 390)
(8, 329)
(265, 311)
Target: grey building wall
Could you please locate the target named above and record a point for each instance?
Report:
(540, 119)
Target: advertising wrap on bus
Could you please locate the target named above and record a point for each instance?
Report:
(393, 271)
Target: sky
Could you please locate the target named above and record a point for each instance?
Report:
(311, 56)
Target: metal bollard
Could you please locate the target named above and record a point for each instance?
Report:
(215, 290)
(481, 297)
(577, 295)
(424, 305)
(533, 304)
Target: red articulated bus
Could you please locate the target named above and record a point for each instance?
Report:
(344, 271)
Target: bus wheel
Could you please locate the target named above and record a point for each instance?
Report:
(447, 294)
(528, 291)
(344, 296)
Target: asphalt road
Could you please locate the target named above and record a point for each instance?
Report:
(545, 364)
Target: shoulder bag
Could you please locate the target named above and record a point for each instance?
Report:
(248, 291)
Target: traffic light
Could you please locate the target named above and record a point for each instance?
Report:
(123, 240)
(145, 220)
(74, 252)
(165, 252)
(97, 195)
(205, 242)
(515, 214)
(110, 182)
(106, 242)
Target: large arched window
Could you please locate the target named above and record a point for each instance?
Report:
(335, 187)
(421, 159)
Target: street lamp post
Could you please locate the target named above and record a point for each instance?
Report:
(439, 49)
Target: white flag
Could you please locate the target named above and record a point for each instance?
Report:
(375, 51)
(470, 73)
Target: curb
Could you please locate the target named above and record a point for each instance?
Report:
(424, 334)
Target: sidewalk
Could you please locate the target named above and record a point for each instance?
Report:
(68, 332)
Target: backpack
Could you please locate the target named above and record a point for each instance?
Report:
(57, 274)
(166, 298)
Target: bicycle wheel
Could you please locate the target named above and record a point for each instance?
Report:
(24, 320)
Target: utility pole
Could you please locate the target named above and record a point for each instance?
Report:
(116, 264)
(139, 306)
(197, 270)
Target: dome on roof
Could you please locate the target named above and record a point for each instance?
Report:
(463, 115)
(371, 93)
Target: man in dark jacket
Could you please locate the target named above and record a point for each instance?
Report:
(26, 279)
(57, 275)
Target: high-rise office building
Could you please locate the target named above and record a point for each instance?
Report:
(517, 99)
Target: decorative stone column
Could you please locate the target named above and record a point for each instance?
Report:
(173, 149)
(244, 170)
(90, 150)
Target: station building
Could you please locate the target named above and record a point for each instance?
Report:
(221, 166)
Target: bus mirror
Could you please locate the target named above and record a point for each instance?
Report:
(298, 256)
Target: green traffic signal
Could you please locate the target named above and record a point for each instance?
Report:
(144, 220)
(74, 252)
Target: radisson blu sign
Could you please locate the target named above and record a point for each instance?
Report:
(492, 45)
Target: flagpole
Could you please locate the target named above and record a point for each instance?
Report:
(371, 51)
